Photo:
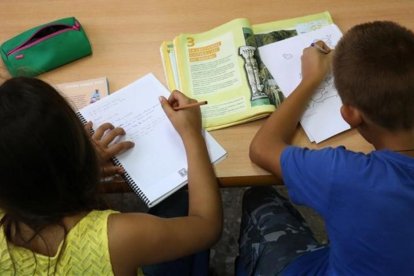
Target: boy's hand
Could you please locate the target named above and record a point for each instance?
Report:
(106, 146)
(316, 64)
(186, 121)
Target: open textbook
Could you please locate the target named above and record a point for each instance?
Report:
(157, 165)
(322, 118)
(223, 66)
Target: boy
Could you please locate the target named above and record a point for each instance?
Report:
(366, 200)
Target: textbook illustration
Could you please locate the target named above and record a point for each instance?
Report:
(84, 92)
(223, 66)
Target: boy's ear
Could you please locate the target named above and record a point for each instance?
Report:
(351, 115)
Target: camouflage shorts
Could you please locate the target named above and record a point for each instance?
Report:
(272, 233)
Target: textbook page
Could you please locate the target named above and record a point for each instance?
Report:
(218, 66)
(322, 118)
(157, 164)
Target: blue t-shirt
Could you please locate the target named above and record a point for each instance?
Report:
(367, 202)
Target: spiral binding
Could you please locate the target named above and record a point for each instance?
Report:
(81, 118)
(128, 179)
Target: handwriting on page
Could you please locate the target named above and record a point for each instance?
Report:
(141, 124)
(136, 123)
(97, 113)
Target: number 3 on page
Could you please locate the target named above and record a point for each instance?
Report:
(190, 42)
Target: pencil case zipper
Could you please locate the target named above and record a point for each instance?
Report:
(38, 37)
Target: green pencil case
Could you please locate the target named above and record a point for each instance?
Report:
(45, 47)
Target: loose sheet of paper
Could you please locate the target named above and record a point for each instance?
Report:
(322, 118)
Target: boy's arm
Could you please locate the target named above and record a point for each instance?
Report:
(277, 132)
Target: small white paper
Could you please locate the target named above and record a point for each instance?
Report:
(322, 118)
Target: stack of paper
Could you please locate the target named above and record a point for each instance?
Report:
(322, 119)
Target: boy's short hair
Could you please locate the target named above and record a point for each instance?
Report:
(373, 69)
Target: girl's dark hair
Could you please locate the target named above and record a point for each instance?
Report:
(373, 69)
(48, 166)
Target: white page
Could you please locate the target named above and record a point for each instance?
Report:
(322, 118)
(158, 162)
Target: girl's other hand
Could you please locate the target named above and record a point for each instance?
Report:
(106, 145)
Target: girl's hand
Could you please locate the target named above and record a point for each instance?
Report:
(106, 146)
(186, 121)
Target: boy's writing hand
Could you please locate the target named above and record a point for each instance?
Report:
(315, 63)
(106, 146)
(186, 121)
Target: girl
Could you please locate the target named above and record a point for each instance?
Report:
(52, 221)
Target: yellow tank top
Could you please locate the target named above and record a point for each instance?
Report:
(85, 252)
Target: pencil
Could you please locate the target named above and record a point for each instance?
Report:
(190, 105)
(322, 50)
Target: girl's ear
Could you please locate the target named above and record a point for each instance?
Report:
(351, 115)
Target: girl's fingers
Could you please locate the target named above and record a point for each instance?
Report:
(100, 131)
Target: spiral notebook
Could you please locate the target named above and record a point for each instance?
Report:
(157, 165)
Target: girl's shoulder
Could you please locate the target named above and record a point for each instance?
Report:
(92, 220)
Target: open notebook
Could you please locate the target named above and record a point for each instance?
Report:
(157, 165)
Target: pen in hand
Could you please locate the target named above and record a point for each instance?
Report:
(190, 105)
(322, 50)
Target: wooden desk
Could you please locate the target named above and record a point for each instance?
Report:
(126, 35)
